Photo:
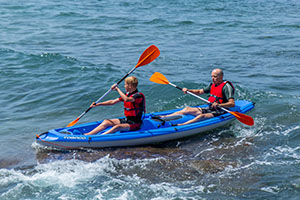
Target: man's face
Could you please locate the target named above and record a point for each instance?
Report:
(127, 87)
(216, 78)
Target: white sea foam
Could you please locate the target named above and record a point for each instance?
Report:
(168, 190)
(291, 129)
(287, 154)
(273, 190)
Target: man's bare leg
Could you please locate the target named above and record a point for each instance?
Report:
(198, 118)
(186, 111)
(106, 123)
(119, 127)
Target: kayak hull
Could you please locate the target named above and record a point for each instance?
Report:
(152, 131)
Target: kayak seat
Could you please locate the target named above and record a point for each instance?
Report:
(148, 124)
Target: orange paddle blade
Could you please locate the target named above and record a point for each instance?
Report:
(159, 78)
(150, 54)
(246, 119)
(73, 122)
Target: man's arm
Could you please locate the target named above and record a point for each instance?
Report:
(106, 103)
(195, 91)
(229, 95)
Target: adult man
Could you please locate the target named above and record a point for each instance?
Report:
(134, 107)
(221, 95)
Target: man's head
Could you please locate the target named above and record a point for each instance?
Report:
(131, 83)
(217, 76)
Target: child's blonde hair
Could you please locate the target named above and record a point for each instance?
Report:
(132, 80)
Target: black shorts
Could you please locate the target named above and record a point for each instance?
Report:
(215, 112)
(133, 125)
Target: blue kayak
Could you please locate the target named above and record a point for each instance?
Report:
(153, 130)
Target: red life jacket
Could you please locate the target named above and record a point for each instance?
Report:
(216, 92)
(136, 108)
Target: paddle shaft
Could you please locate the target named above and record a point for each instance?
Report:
(196, 96)
(150, 54)
(140, 63)
(106, 93)
(136, 66)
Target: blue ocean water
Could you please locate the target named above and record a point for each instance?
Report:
(59, 56)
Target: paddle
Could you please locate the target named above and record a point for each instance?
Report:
(161, 79)
(150, 54)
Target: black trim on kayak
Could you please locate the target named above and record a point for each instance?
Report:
(37, 136)
(165, 119)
